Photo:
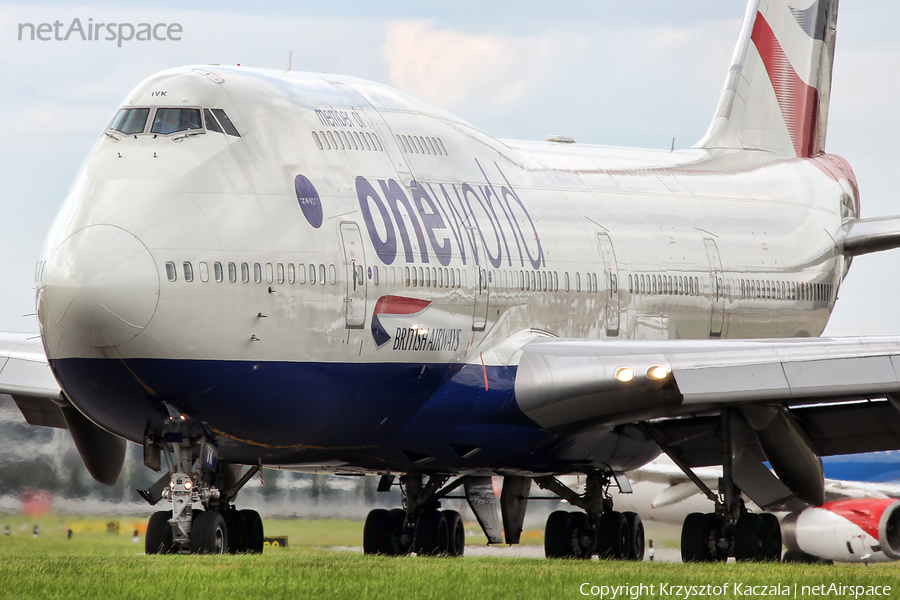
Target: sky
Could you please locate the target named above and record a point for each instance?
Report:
(635, 73)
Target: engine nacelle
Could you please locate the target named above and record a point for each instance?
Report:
(859, 530)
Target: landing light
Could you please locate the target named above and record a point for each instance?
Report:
(187, 485)
(658, 372)
(625, 374)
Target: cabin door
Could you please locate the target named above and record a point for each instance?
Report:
(611, 272)
(480, 283)
(354, 275)
(716, 290)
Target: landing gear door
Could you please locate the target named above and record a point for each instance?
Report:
(354, 276)
(717, 289)
(611, 271)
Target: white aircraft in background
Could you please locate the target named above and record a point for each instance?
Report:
(858, 522)
(321, 273)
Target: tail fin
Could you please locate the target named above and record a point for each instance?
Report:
(778, 88)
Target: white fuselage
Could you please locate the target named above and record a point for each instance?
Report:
(463, 246)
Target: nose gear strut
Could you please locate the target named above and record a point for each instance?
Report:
(196, 477)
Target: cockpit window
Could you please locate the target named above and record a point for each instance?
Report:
(171, 120)
(131, 121)
(226, 123)
(211, 123)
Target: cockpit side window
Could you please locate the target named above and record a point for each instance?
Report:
(131, 121)
(226, 123)
(211, 123)
(172, 120)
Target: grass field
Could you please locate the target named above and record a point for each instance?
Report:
(97, 564)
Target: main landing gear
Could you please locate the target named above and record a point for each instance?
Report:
(599, 530)
(731, 530)
(196, 477)
(423, 528)
(420, 526)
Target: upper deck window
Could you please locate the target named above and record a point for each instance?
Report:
(172, 120)
(131, 121)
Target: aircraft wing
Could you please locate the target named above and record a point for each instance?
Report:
(862, 236)
(26, 376)
(837, 392)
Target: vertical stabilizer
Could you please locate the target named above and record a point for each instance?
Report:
(778, 88)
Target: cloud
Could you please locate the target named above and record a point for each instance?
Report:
(58, 118)
(453, 69)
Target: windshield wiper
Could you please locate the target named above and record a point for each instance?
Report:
(186, 135)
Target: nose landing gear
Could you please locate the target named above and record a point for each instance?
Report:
(195, 477)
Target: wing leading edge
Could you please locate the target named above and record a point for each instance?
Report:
(26, 376)
(572, 385)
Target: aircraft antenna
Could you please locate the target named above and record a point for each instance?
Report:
(290, 58)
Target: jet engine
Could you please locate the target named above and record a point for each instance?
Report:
(859, 530)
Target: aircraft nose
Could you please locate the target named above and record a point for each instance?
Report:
(101, 287)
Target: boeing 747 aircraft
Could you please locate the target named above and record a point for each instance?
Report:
(320, 273)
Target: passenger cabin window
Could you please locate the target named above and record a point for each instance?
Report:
(217, 269)
(173, 120)
(131, 121)
(171, 274)
(188, 272)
